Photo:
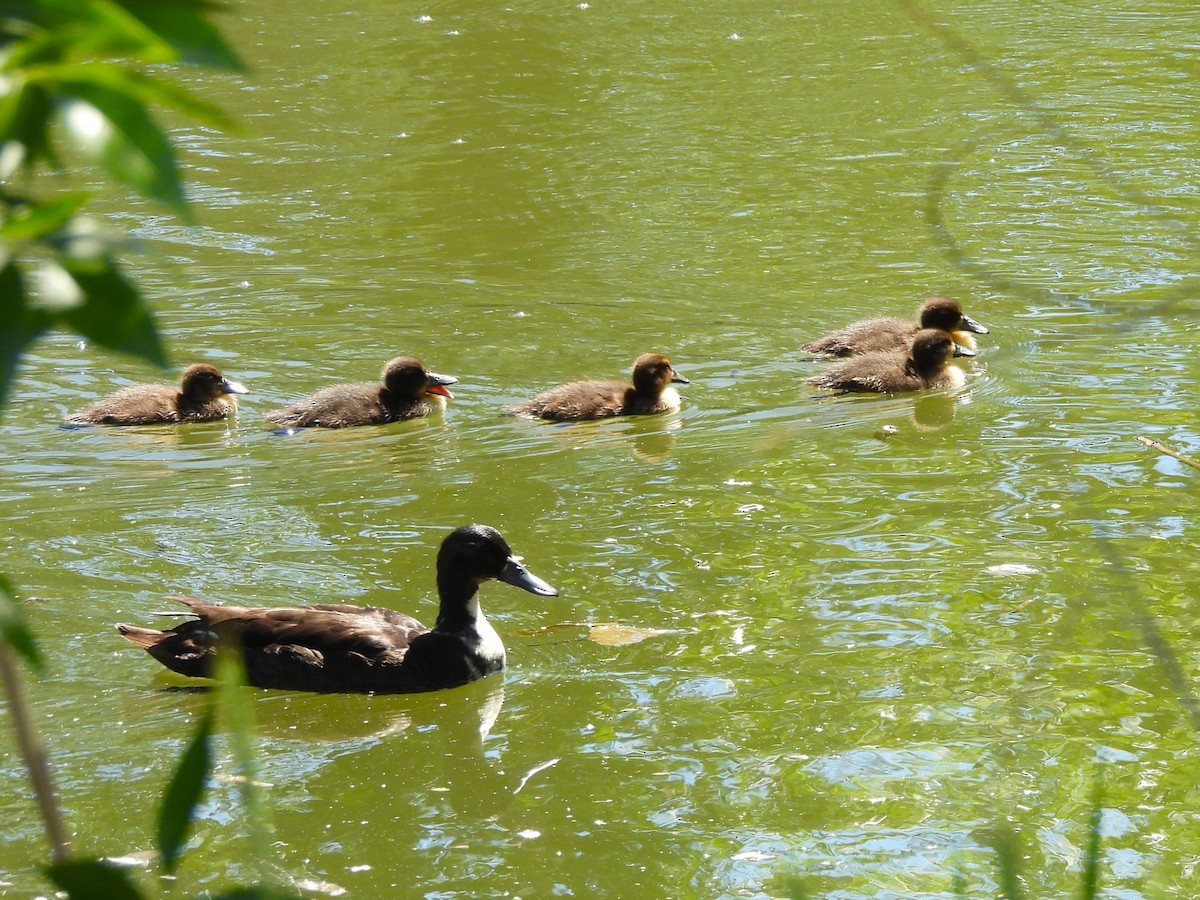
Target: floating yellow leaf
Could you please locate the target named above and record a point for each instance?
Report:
(610, 634)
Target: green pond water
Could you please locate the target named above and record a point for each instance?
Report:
(874, 630)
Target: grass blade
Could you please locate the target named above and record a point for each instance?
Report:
(184, 792)
(1091, 854)
(91, 879)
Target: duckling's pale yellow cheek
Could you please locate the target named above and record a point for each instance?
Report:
(964, 339)
(437, 401)
(670, 398)
(956, 376)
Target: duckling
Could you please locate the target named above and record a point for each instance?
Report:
(334, 648)
(925, 365)
(651, 392)
(889, 334)
(408, 391)
(204, 395)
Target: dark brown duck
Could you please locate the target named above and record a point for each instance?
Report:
(204, 395)
(925, 365)
(408, 391)
(334, 648)
(650, 392)
(890, 334)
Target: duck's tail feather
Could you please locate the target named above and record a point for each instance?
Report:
(143, 637)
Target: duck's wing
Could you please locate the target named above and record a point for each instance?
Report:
(849, 383)
(373, 616)
(320, 648)
(141, 404)
(864, 374)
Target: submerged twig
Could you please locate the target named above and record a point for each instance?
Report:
(956, 42)
(1163, 448)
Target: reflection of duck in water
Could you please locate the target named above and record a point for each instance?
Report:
(933, 412)
(204, 395)
(470, 711)
(926, 365)
(358, 649)
(650, 392)
(450, 766)
(408, 391)
(884, 334)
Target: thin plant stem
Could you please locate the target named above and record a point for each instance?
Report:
(1091, 853)
(36, 759)
(1163, 448)
(239, 718)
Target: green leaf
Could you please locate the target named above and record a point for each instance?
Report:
(1008, 861)
(93, 879)
(139, 86)
(24, 114)
(22, 326)
(185, 26)
(1091, 853)
(13, 629)
(112, 313)
(154, 31)
(87, 29)
(34, 219)
(184, 792)
(135, 151)
(172, 96)
(238, 712)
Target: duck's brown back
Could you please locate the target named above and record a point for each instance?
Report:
(881, 373)
(875, 335)
(150, 404)
(346, 405)
(577, 401)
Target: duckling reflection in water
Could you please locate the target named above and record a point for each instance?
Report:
(650, 393)
(925, 365)
(406, 390)
(334, 648)
(204, 395)
(892, 334)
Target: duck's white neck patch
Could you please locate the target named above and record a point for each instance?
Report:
(670, 398)
(490, 645)
(437, 401)
(955, 376)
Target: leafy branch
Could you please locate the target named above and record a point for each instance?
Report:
(81, 80)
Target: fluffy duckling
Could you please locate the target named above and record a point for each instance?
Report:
(204, 395)
(925, 365)
(891, 334)
(334, 648)
(408, 391)
(651, 392)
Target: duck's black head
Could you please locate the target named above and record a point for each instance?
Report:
(477, 553)
(202, 382)
(406, 376)
(946, 313)
(652, 372)
(932, 348)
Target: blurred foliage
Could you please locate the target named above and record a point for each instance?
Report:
(183, 793)
(80, 82)
(13, 630)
